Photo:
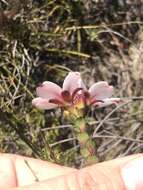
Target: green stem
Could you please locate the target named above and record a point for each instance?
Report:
(87, 145)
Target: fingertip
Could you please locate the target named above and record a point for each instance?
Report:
(28, 170)
(132, 174)
(7, 173)
(115, 174)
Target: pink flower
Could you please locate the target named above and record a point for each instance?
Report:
(73, 92)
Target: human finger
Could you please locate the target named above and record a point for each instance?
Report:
(19, 171)
(119, 174)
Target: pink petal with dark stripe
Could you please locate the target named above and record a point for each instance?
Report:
(43, 104)
(72, 82)
(101, 90)
(107, 102)
(49, 90)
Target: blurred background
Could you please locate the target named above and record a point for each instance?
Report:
(44, 40)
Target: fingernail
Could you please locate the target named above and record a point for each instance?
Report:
(132, 174)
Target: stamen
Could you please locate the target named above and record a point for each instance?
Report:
(75, 92)
(86, 97)
(83, 97)
(86, 94)
(56, 101)
(96, 101)
(66, 96)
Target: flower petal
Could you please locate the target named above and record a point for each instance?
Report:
(43, 104)
(81, 84)
(49, 90)
(107, 102)
(72, 82)
(101, 90)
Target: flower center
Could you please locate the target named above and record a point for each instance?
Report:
(66, 96)
(81, 98)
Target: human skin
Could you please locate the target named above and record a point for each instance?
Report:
(22, 173)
